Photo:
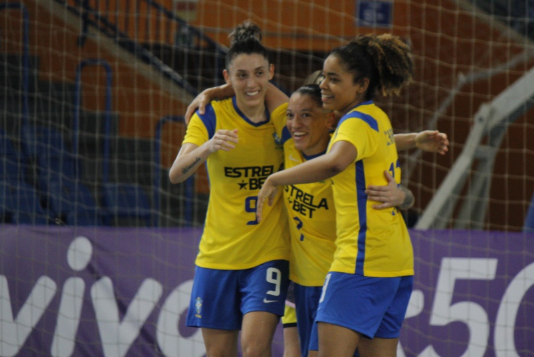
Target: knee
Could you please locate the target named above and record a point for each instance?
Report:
(220, 353)
(221, 350)
(256, 349)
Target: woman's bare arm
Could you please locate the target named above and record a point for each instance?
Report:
(273, 99)
(191, 156)
(340, 156)
(205, 97)
(428, 140)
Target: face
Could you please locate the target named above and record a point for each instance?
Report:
(249, 76)
(308, 124)
(339, 92)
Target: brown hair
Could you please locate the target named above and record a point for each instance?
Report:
(384, 59)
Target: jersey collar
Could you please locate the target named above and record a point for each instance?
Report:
(245, 118)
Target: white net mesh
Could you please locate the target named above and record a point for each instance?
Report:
(92, 95)
(104, 74)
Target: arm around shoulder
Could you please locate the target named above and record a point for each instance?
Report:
(340, 156)
(205, 97)
(274, 98)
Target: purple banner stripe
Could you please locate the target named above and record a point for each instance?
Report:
(125, 292)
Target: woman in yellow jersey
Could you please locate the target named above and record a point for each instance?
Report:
(241, 273)
(366, 293)
(307, 133)
(312, 212)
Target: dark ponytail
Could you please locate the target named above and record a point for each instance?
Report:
(245, 38)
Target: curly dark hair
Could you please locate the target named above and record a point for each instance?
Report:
(384, 59)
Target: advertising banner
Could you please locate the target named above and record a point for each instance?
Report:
(116, 292)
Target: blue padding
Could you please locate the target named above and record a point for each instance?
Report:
(126, 200)
(529, 219)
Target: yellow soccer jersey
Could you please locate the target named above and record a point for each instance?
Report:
(312, 223)
(369, 242)
(232, 237)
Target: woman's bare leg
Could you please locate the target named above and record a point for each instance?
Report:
(257, 333)
(378, 347)
(291, 342)
(336, 341)
(220, 343)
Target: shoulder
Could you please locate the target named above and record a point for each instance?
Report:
(367, 113)
(278, 116)
(278, 120)
(216, 110)
(209, 118)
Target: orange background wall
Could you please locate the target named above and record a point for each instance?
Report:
(315, 25)
(448, 41)
(138, 101)
(297, 25)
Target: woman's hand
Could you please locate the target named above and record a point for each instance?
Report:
(199, 103)
(432, 141)
(268, 191)
(390, 195)
(222, 140)
(205, 97)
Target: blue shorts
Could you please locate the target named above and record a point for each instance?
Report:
(220, 298)
(306, 302)
(374, 307)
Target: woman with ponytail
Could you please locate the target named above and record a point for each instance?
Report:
(241, 273)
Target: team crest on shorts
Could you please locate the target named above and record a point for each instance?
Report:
(198, 307)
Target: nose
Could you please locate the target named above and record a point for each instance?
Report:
(297, 121)
(251, 82)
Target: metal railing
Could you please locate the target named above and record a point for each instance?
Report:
(148, 15)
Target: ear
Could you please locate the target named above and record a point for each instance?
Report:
(271, 71)
(226, 76)
(364, 84)
(331, 120)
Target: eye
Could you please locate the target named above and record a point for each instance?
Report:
(289, 115)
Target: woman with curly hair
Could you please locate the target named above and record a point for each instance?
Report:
(366, 292)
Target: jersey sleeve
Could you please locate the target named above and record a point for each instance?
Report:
(361, 130)
(278, 116)
(201, 128)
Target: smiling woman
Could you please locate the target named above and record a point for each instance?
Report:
(308, 122)
(249, 71)
(242, 267)
(373, 259)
